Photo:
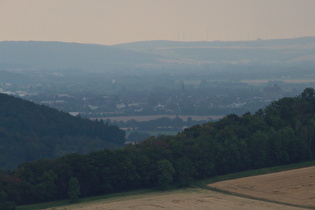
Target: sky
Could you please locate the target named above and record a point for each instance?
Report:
(111, 22)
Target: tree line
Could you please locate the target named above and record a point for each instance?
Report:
(281, 133)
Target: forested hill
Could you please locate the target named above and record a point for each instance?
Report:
(281, 133)
(30, 131)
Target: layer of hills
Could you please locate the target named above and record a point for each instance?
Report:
(281, 133)
(29, 131)
(61, 55)
(166, 54)
(233, 52)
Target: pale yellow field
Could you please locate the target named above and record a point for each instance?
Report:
(188, 199)
(294, 186)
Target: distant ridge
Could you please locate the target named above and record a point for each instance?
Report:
(62, 55)
(236, 52)
(218, 43)
(147, 54)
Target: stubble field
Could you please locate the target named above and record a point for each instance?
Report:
(188, 199)
(296, 187)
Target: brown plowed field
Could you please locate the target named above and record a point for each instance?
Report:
(294, 186)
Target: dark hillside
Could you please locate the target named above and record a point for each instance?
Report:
(281, 133)
(29, 132)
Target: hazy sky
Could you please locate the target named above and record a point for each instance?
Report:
(119, 21)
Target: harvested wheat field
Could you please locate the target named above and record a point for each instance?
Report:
(293, 187)
(187, 199)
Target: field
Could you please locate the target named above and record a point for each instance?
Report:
(295, 187)
(193, 198)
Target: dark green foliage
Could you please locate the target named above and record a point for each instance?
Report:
(281, 133)
(7, 205)
(165, 172)
(74, 190)
(308, 94)
(29, 132)
(184, 172)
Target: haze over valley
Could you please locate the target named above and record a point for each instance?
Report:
(157, 78)
(104, 99)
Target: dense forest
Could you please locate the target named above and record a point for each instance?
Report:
(281, 133)
(30, 131)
